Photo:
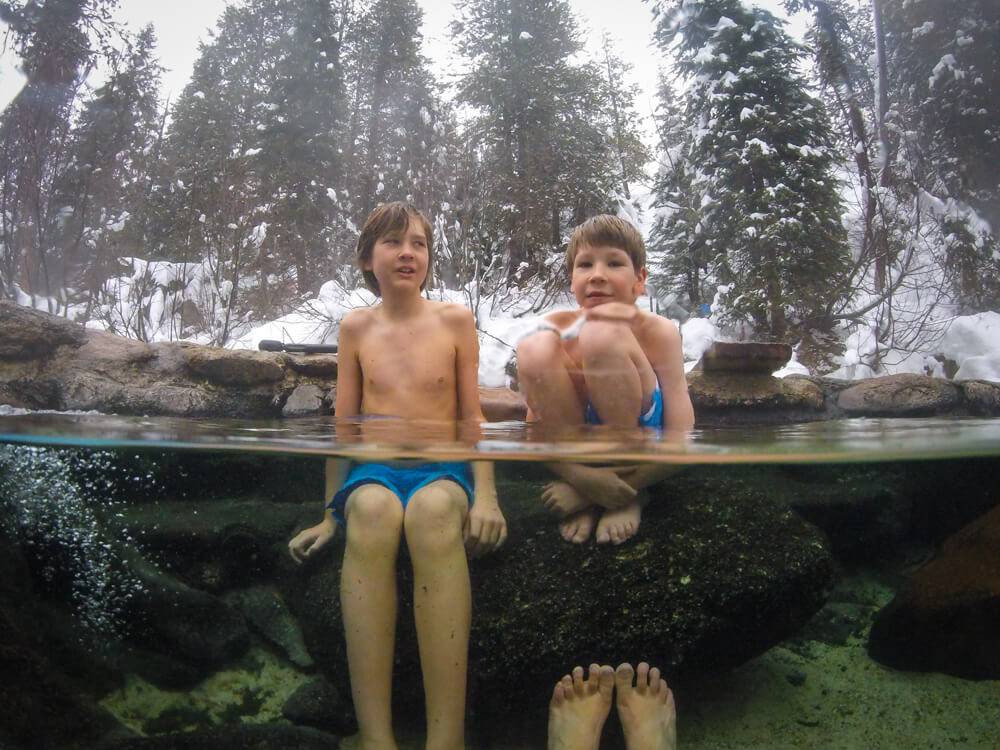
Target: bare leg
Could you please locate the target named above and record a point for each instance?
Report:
(620, 380)
(368, 604)
(579, 708)
(646, 711)
(442, 605)
(543, 370)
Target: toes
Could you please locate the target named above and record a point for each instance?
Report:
(606, 680)
(623, 676)
(558, 697)
(642, 677)
(654, 679)
(593, 676)
(578, 683)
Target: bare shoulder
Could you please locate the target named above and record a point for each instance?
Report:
(659, 337)
(356, 321)
(453, 315)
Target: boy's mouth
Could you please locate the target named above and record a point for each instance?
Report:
(406, 270)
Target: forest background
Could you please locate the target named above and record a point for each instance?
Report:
(841, 194)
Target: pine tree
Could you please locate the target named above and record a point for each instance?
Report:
(254, 158)
(58, 42)
(103, 190)
(392, 118)
(678, 256)
(544, 131)
(762, 147)
(944, 64)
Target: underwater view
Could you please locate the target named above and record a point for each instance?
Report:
(828, 585)
(499, 374)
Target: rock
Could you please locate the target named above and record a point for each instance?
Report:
(745, 357)
(239, 368)
(321, 705)
(864, 509)
(174, 619)
(317, 365)
(47, 362)
(714, 578)
(904, 395)
(502, 404)
(947, 616)
(240, 737)
(44, 707)
(28, 334)
(981, 397)
(305, 399)
(215, 545)
(269, 616)
(721, 399)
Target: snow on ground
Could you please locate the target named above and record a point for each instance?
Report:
(971, 342)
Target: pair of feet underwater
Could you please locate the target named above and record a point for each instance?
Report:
(580, 520)
(580, 705)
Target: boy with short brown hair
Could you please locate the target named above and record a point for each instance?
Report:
(625, 368)
(414, 358)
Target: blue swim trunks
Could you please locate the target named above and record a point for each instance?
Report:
(652, 418)
(403, 480)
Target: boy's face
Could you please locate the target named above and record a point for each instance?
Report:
(400, 259)
(605, 274)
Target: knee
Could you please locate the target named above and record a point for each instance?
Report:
(538, 353)
(433, 520)
(373, 513)
(602, 338)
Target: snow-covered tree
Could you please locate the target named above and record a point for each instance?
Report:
(103, 191)
(392, 123)
(544, 134)
(944, 65)
(761, 147)
(59, 42)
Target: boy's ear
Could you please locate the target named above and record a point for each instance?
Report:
(640, 282)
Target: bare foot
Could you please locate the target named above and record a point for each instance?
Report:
(563, 499)
(579, 708)
(646, 711)
(616, 526)
(578, 527)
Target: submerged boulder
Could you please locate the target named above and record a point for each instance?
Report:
(947, 616)
(712, 580)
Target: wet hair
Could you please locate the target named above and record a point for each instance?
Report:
(606, 230)
(387, 219)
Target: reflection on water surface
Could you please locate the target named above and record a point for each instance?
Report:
(838, 441)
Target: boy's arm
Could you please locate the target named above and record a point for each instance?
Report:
(485, 527)
(666, 356)
(309, 541)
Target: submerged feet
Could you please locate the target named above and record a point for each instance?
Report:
(620, 524)
(646, 709)
(579, 708)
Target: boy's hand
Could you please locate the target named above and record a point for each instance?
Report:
(485, 529)
(310, 541)
(615, 312)
(603, 486)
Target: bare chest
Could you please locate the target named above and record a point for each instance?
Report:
(407, 372)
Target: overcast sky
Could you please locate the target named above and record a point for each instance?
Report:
(181, 24)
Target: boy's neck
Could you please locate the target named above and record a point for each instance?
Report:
(401, 306)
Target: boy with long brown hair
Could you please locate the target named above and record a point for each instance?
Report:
(418, 359)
